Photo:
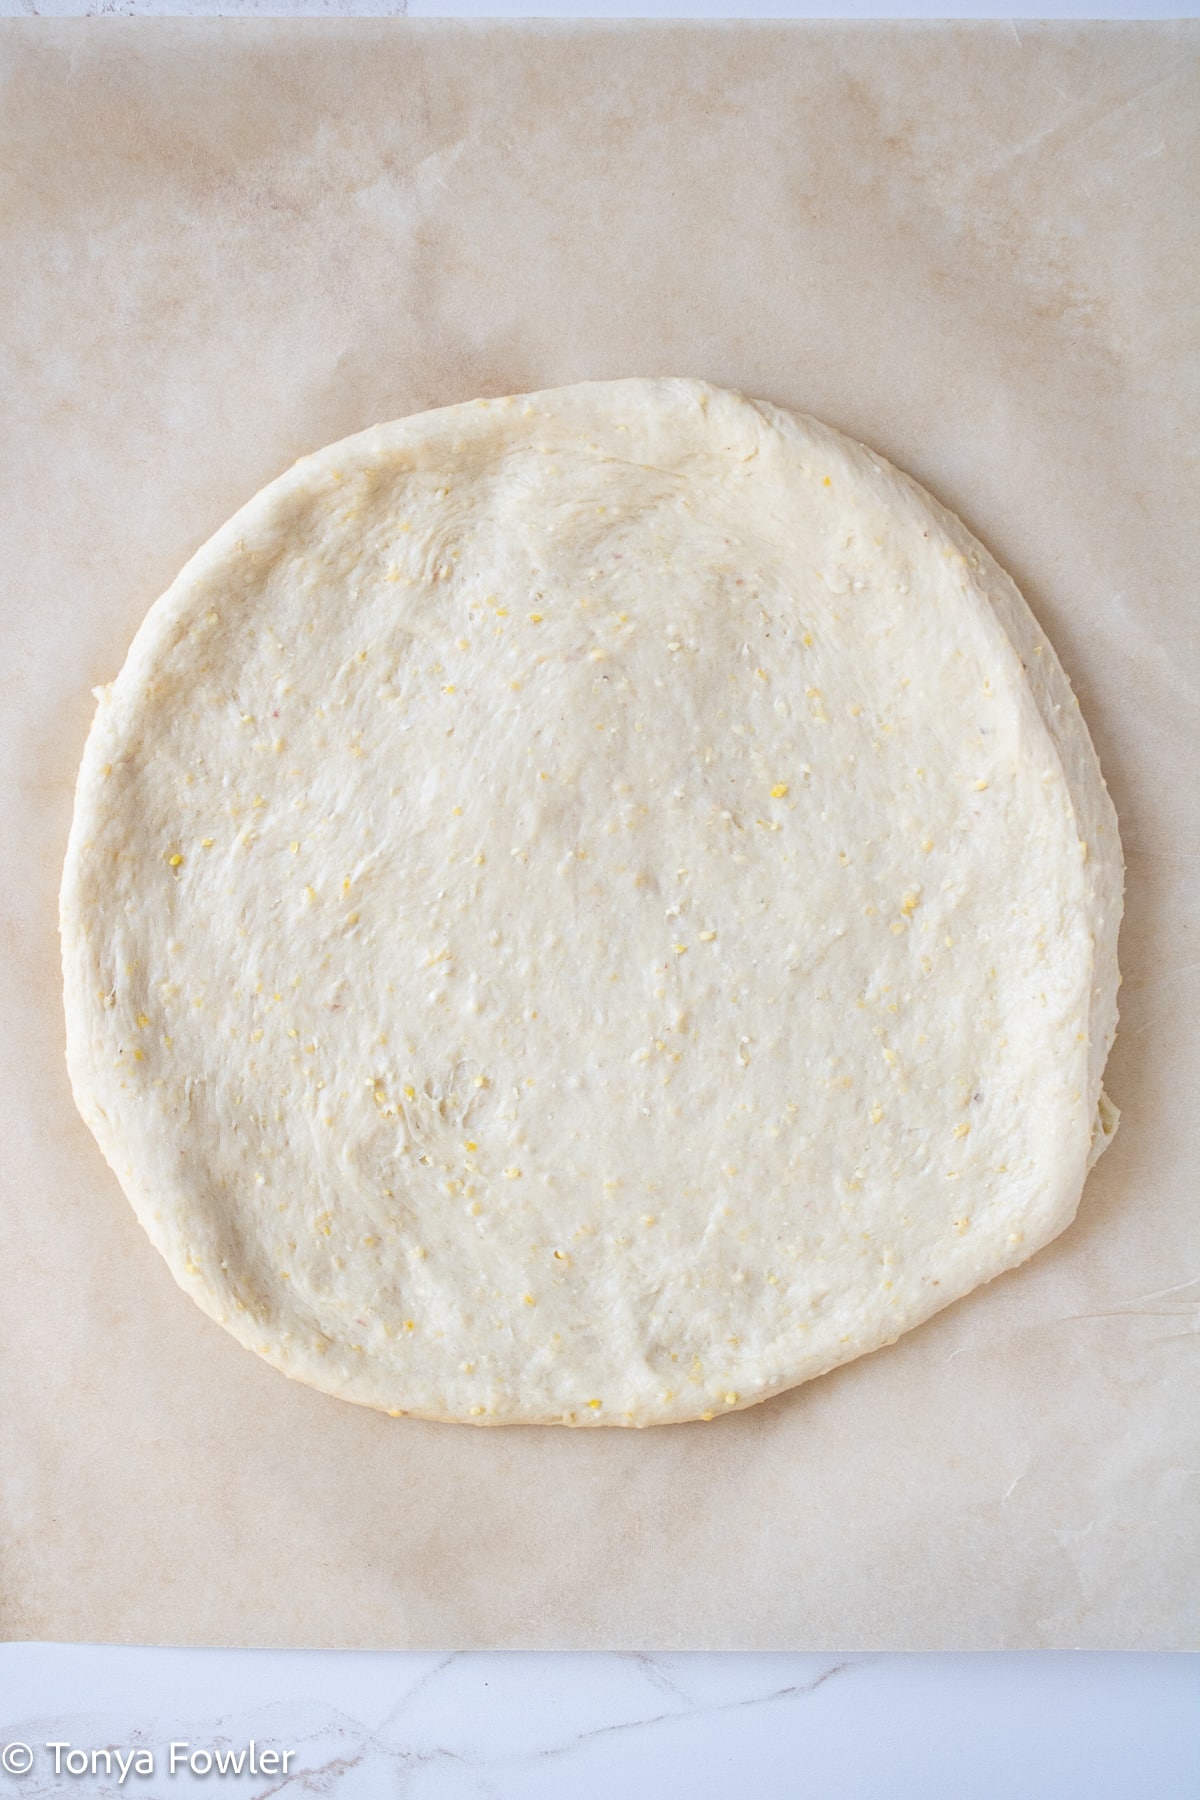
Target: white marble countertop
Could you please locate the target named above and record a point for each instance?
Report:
(523, 1727)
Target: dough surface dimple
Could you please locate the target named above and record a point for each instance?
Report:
(591, 907)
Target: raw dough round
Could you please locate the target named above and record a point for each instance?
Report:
(591, 907)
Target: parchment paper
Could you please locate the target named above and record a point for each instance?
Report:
(222, 245)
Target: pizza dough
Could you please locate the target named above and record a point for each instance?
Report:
(594, 907)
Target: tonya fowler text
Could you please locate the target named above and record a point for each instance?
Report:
(140, 1760)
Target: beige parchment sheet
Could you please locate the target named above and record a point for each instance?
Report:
(976, 248)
